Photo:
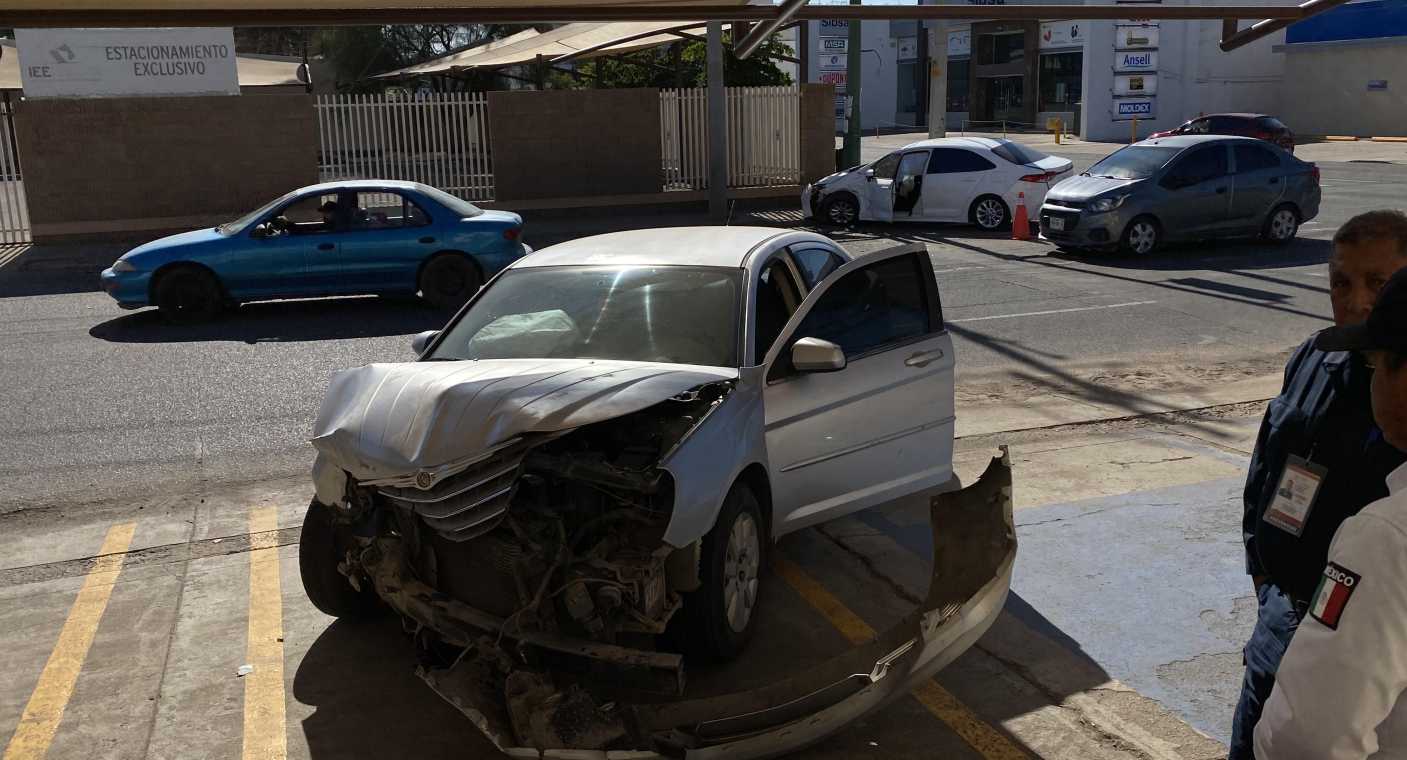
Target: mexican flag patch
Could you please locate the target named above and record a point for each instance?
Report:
(1331, 597)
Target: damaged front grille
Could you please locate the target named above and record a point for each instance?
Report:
(469, 503)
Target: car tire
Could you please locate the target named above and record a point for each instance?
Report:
(718, 619)
(1141, 237)
(989, 213)
(449, 280)
(188, 294)
(320, 549)
(840, 210)
(1282, 225)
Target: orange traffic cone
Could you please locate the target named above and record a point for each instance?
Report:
(1021, 225)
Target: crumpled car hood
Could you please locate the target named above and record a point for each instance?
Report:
(384, 420)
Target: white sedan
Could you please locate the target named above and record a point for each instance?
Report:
(976, 180)
(602, 447)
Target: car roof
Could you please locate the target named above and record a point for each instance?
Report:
(362, 184)
(668, 246)
(1187, 141)
(1236, 115)
(957, 142)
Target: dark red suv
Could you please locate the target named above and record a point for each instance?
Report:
(1255, 125)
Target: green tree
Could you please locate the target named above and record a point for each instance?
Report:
(685, 64)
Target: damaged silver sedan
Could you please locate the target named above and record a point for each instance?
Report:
(573, 492)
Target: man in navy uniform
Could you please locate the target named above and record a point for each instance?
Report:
(1318, 460)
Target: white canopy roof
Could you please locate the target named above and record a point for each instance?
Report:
(600, 38)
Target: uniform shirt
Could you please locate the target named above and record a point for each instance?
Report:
(1338, 691)
(1323, 414)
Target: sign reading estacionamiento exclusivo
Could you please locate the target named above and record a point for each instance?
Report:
(96, 63)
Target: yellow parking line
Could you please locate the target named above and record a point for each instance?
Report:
(987, 741)
(265, 732)
(46, 705)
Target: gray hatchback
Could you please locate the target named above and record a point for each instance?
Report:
(1188, 187)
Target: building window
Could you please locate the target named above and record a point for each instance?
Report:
(908, 87)
(958, 73)
(1004, 47)
(1060, 81)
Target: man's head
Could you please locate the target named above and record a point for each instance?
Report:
(1368, 249)
(1383, 339)
(329, 210)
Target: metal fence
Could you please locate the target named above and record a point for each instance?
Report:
(764, 137)
(441, 140)
(14, 214)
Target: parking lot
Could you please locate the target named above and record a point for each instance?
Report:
(155, 478)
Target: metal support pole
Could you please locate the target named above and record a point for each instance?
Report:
(853, 74)
(717, 126)
(937, 79)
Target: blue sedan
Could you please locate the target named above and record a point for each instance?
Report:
(339, 238)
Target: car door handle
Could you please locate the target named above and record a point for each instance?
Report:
(325, 246)
(924, 358)
(427, 240)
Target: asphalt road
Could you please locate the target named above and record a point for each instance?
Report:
(103, 405)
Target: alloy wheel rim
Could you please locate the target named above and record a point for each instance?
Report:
(741, 562)
(842, 212)
(1283, 225)
(1142, 237)
(990, 214)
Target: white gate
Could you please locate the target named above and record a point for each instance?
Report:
(764, 137)
(14, 214)
(441, 140)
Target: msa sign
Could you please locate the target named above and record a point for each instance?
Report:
(95, 63)
(1136, 60)
(833, 44)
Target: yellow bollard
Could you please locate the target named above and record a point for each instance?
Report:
(1059, 130)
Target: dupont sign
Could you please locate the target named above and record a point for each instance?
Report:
(96, 63)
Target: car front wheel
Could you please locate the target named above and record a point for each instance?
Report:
(720, 616)
(321, 547)
(1282, 225)
(188, 294)
(1141, 237)
(841, 210)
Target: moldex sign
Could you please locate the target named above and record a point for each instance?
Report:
(1136, 60)
(1131, 108)
(85, 63)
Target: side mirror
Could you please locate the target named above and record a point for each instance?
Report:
(869, 174)
(816, 355)
(421, 341)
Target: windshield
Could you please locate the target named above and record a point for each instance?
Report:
(679, 315)
(1134, 162)
(230, 228)
(1017, 153)
(456, 205)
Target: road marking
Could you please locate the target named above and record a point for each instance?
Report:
(955, 269)
(1055, 311)
(987, 741)
(265, 729)
(46, 705)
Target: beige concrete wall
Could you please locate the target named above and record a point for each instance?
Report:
(575, 143)
(817, 131)
(131, 165)
(1325, 90)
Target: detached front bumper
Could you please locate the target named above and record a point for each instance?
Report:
(810, 198)
(974, 552)
(1077, 228)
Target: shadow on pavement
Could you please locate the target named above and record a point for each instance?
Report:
(282, 322)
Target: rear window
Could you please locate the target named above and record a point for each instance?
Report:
(1270, 122)
(455, 205)
(1017, 153)
(1134, 162)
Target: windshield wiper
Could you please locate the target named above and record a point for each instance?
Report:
(445, 359)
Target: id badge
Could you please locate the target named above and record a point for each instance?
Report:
(1294, 496)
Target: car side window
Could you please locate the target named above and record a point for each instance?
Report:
(957, 161)
(886, 167)
(1197, 166)
(872, 307)
(1196, 127)
(385, 211)
(815, 264)
(308, 215)
(1226, 125)
(1253, 158)
(778, 297)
